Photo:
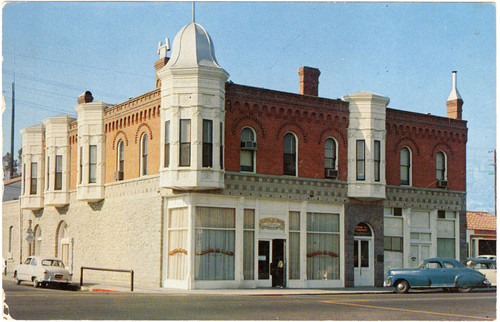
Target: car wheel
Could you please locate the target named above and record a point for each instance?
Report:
(401, 286)
(35, 283)
(464, 289)
(16, 279)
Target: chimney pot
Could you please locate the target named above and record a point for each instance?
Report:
(85, 98)
(309, 80)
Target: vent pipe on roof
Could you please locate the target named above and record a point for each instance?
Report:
(455, 101)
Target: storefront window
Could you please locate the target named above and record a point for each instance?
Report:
(323, 250)
(214, 243)
(294, 241)
(177, 244)
(248, 244)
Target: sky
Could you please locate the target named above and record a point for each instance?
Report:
(55, 51)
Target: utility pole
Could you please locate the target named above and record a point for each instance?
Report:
(12, 134)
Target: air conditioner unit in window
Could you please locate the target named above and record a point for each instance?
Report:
(118, 175)
(251, 145)
(331, 173)
(442, 184)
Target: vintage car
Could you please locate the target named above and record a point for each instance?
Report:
(446, 273)
(40, 271)
(486, 266)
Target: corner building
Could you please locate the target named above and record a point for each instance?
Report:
(203, 183)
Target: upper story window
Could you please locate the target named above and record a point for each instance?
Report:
(441, 166)
(24, 175)
(221, 151)
(185, 143)
(81, 165)
(405, 166)
(290, 155)
(207, 143)
(92, 163)
(34, 178)
(144, 154)
(360, 160)
(48, 173)
(331, 158)
(376, 160)
(59, 173)
(248, 148)
(166, 156)
(120, 159)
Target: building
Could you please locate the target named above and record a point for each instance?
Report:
(203, 183)
(481, 234)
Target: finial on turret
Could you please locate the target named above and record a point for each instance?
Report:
(162, 49)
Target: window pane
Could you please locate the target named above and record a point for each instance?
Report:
(446, 247)
(249, 219)
(289, 157)
(360, 160)
(330, 154)
(294, 220)
(144, 157)
(34, 178)
(209, 217)
(294, 265)
(246, 160)
(166, 156)
(376, 157)
(207, 143)
(92, 163)
(321, 222)
(248, 255)
(58, 177)
(289, 143)
(185, 145)
(247, 135)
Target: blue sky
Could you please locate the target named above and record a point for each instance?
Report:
(405, 51)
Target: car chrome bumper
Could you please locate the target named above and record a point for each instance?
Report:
(55, 280)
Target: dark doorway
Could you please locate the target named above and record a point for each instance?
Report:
(278, 263)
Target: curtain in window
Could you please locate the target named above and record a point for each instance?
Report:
(177, 244)
(323, 246)
(214, 243)
(294, 245)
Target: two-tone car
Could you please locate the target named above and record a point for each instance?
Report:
(446, 273)
(41, 271)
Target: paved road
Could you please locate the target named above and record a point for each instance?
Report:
(25, 302)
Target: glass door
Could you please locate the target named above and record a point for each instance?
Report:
(264, 263)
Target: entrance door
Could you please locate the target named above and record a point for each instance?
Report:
(363, 267)
(271, 263)
(418, 253)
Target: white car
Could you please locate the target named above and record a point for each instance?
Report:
(41, 271)
(486, 266)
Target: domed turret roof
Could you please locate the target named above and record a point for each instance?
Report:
(192, 47)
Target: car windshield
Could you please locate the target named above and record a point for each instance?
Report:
(52, 262)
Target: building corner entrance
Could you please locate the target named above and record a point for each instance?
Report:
(272, 264)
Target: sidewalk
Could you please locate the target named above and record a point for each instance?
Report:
(109, 287)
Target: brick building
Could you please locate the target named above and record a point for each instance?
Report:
(215, 184)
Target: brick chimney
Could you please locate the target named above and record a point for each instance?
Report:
(455, 101)
(309, 81)
(85, 98)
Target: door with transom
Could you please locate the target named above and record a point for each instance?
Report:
(363, 255)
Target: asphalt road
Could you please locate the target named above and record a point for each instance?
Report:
(27, 303)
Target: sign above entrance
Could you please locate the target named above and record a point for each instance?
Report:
(271, 224)
(362, 229)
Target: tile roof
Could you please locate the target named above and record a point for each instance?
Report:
(481, 220)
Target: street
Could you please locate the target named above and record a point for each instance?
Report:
(25, 302)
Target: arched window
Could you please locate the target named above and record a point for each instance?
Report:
(144, 154)
(62, 247)
(37, 244)
(247, 152)
(330, 158)
(120, 160)
(441, 175)
(290, 155)
(405, 166)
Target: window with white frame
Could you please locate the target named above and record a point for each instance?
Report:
(248, 244)
(48, 173)
(177, 250)
(120, 160)
(290, 155)
(221, 150)
(323, 246)
(446, 241)
(33, 178)
(376, 160)
(214, 243)
(405, 166)
(360, 160)
(440, 166)
(144, 154)
(294, 242)
(92, 163)
(185, 143)
(330, 154)
(166, 155)
(207, 148)
(248, 143)
(58, 180)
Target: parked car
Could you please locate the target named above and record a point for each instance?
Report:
(446, 273)
(492, 257)
(41, 271)
(486, 266)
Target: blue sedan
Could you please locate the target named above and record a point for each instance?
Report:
(445, 273)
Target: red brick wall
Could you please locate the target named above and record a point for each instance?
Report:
(311, 119)
(426, 135)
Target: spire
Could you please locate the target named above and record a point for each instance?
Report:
(455, 101)
(454, 94)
